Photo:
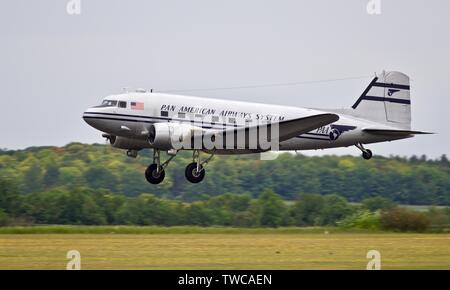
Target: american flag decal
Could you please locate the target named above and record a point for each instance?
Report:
(137, 106)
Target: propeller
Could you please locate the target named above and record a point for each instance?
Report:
(151, 134)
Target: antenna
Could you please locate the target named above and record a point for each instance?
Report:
(137, 90)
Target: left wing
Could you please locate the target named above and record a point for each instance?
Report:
(291, 128)
(242, 137)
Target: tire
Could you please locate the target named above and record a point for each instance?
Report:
(367, 154)
(192, 175)
(151, 175)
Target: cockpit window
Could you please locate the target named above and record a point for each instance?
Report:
(122, 104)
(108, 103)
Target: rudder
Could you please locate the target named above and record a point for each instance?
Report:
(386, 100)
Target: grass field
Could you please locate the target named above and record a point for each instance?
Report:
(197, 248)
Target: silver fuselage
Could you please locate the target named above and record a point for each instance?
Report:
(217, 114)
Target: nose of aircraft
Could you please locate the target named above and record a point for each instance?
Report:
(98, 119)
(89, 117)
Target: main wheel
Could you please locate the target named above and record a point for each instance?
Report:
(193, 175)
(153, 176)
(367, 154)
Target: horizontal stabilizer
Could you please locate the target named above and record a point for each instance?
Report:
(393, 132)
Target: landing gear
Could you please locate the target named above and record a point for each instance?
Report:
(155, 172)
(366, 153)
(154, 176)
(195, 171)
(194, 174)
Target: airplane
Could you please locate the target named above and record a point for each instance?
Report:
(139, 119)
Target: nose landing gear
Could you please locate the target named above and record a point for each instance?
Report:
(366, 153)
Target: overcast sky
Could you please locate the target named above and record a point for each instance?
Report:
(54, 65)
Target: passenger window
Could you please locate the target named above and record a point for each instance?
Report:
(232, 120)
(164, 114)
(122, 104)
(215, 119)
(181, 115)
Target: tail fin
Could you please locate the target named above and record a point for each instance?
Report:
(386, 100)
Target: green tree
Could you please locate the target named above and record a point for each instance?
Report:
(273, 211)
(91, 212)
(335, 209)
(377, 203)
(10, 201)
(148, 209)
(98, 177)
(417, 180)
(71, 176)
(32, 180)
(362, 220)
(132, 183)
(444, 160)
(439, 219)
(401, 219)
(4, 219)
(51, 176)
(308, 209)
(198, 214)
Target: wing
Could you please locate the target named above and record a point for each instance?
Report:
(252, 137)
(292, 128)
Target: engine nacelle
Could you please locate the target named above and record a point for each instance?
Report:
(167, 136)
(127, 143)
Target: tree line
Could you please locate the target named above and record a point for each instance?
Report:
(414, 180)
(85, 206)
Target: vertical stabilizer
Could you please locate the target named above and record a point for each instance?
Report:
(386, 100)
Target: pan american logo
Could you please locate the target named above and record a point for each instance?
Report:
(327, 133)
(392, 91)
(337, 130)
